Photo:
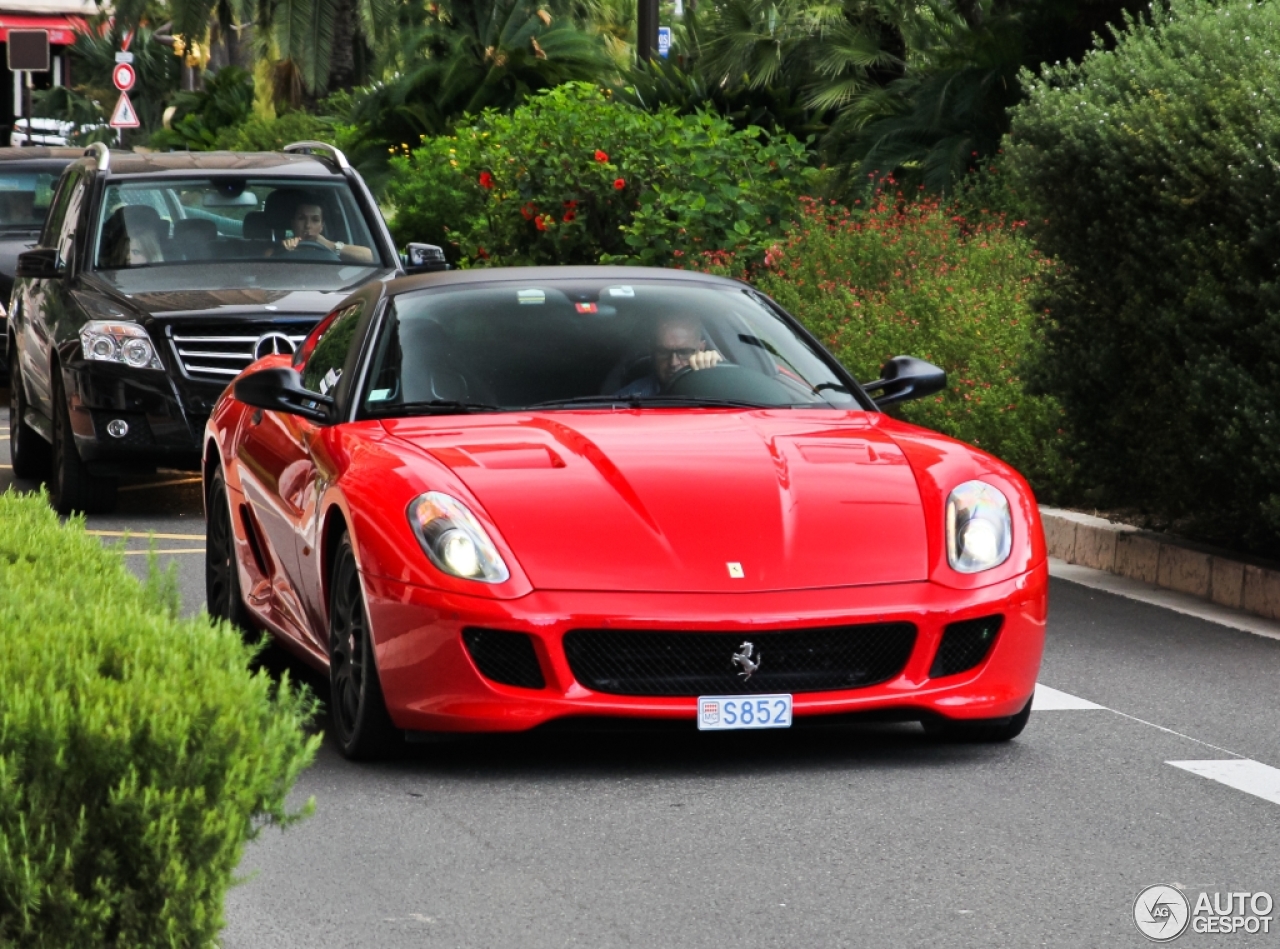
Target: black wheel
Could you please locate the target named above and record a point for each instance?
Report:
(979, 730)
(29, 453)
(71, 487)
(221, 576)
(361, 724)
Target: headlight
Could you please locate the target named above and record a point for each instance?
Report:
(454, 540)
(979, 530)
(127, 343)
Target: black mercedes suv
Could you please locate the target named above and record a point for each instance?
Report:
(157, 278)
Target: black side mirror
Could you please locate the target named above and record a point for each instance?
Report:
(424, 258)
(279, 389)
(905, 377)
(39, 264)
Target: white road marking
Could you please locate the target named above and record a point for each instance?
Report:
(1051, 700)
(185, 550)
(1243, 774)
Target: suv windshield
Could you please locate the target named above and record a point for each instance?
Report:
(272, 224)
(24, 198)
(559, 344)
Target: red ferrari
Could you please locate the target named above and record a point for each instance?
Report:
(489, 500)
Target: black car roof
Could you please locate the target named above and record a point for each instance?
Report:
(183, 164)
(454, 278)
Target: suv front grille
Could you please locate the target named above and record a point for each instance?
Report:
(634, 662)
(218, 353)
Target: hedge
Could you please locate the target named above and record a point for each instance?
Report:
(572, 177)
(1153, 169)
(137, 752)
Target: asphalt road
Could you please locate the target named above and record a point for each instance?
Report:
(843, 836)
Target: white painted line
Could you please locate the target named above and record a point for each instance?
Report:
(1051, 700)
(1168, 599)
(145, 535)
(1245, 774)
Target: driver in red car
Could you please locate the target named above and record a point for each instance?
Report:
(678, 343)
(308, 228)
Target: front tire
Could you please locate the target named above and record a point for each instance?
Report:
(72, 488)
(221, 571)
(983, 730)
(361, 725)
(28, 452)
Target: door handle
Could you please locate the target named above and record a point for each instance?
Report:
(256, 417)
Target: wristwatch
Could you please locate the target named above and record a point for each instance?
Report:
(338, 245)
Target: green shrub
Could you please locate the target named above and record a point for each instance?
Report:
(1152, 169)
(200, 117)
(917, 279)
(572, 177)
(137, 752)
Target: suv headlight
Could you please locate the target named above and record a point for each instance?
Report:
(979, 530)
(111, 341)
(454, 540)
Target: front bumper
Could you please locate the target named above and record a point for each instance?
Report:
(430, 682)
(165, 417)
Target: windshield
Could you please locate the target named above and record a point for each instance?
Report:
(24, 198)
(571, 344)
(231, 221)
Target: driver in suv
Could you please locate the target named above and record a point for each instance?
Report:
(156, 280)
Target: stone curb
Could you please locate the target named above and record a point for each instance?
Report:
(1162, 561)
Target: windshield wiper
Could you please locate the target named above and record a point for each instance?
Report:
(676, 400)
(442, 407)
(628, 400)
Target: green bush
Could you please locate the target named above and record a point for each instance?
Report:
(572, 177)
(1152, 169)
(918, 279)
(225, 101)
(137, 752)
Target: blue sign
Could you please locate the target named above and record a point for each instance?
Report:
(664, 41)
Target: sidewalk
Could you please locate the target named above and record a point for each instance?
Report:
(1227, 579)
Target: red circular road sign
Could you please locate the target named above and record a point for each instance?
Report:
(123, 76)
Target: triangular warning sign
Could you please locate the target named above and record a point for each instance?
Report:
(124, 116)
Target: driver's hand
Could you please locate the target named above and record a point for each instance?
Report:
(705, 359)
(291, 243)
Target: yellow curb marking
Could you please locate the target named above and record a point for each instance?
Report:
(185, 550)
(159, 484)
(143, 535)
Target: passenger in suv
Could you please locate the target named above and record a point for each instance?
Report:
(156, 280)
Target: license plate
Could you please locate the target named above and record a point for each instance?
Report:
(728, 712)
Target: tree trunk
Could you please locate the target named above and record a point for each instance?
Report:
(342, 65)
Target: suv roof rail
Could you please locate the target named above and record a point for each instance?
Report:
(102, 153)
(308, 148)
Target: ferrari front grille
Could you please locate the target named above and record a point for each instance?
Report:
(219, 353)
(504, 657)
(965, 645)
(826, 659)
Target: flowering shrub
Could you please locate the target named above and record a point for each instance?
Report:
(1153, 171)
(572, 177)
(917, 279)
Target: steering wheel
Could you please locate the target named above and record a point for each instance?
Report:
(313, 250)
(676, 383)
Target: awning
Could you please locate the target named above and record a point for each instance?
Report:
(62, 29)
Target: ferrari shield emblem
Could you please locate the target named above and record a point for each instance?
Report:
(735, 571)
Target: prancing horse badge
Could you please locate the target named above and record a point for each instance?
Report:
(735, 571)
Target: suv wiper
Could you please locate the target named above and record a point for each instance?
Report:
(443, 407)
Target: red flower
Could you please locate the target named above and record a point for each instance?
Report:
(601, 156)
(569, 216)
(481, 252)
(486, 180)
(529, 210)
(540, 222)
(571, 204)
(619, 184)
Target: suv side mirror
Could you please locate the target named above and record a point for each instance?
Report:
(424, 258)
(39, 264)
(905, 377)
(279, 389)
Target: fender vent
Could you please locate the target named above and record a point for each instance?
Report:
(965, 645)
(504, 657)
